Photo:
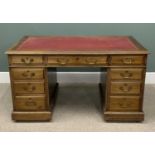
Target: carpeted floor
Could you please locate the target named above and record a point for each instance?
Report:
(77, 109)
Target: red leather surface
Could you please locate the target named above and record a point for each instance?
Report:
(76, 43)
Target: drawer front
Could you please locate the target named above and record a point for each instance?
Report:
(28, 87)
(77, 60)
(127, 60)
(27, 73)
(34, 103)
(126, 74)
(93, 60)
(124, 103)
(61, 60)
(26, 60)
(125, 87)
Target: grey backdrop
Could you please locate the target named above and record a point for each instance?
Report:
(11, 33)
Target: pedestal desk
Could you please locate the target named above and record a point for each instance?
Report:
(33, 92)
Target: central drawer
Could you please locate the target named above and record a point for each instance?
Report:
(125, 87)
(27, 73)
(77, 60)
(29, 87)
(34, 103)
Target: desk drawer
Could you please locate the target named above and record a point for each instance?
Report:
(127, 60)
(26, 60)
(29, 87)
(126, 74)
(125, 87)
(34, 103)
(77, 60)
(27, 73)
(124, 103)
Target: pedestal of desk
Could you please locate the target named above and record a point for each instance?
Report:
(124, 94)
(33, 93)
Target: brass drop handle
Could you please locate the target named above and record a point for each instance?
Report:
(124, 105)
(91, 61)
(29, 88)
(28, 74)
(62, 61)
(125, 88)
(126, 74)
(127, 60)
(30, 102)
(27, 60)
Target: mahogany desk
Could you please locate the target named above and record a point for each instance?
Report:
(124, 58)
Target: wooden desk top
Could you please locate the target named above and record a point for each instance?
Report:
(77, 45)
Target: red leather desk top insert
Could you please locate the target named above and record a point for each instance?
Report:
(88, 43)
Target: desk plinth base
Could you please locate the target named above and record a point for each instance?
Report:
(124, 116)
(32, 116)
